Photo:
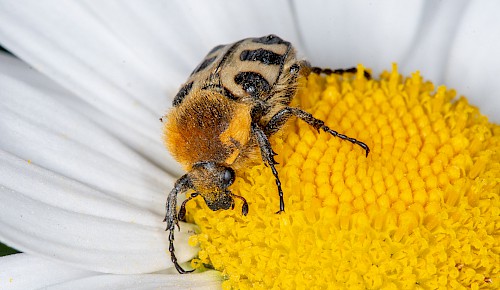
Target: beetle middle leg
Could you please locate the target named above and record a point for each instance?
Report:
(268, 154)
(279, 119)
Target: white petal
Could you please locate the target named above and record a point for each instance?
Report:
(23, 271)
(206, 280)
(474, 65)
(434, 39)
(112, 81)
(125, 57)
(129, 86)
(218, 22)
(341, 34)
(46, 103)
(48, 214)
(36, 127)
(180, 33)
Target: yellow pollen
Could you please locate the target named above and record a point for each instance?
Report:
(421, 212)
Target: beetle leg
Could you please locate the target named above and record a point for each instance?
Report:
(171, 217)
(279, 119)
(268, 154)
(318, 124)
(327, 71)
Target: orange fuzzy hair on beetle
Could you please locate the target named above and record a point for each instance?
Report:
(208, 127)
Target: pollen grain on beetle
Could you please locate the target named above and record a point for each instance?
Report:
(422, 210)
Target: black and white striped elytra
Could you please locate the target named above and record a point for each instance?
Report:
(251, 67)
(223, 116)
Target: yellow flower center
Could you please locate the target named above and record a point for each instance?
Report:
(422, 210)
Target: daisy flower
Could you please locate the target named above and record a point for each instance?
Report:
(84, 175)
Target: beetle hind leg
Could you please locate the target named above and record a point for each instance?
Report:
(340, 71)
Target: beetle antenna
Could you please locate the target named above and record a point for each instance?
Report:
(182, 211)
(244, 207)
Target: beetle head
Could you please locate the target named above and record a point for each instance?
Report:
(211, 181)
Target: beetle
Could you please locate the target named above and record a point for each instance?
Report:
(223, 116)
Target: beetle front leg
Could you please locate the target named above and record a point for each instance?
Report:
(171, 217)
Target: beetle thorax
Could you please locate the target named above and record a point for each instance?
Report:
(207, 127)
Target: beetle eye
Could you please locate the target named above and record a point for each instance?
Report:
(227, 177)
